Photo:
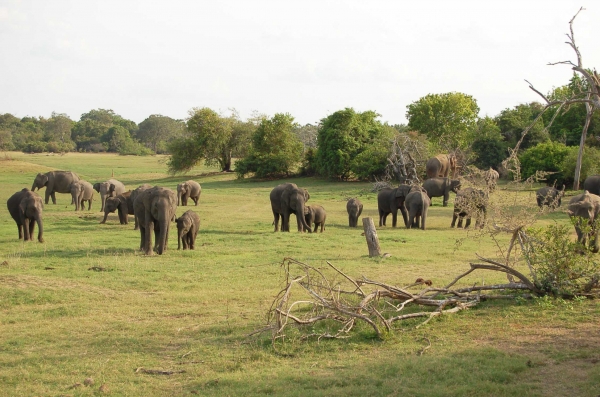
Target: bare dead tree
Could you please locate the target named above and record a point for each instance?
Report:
(406, 160)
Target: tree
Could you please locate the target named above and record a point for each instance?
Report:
(91, 132)
(448, 118)
(513, 121)
(157, 131)
(489, 145)
(275, 151)
(548, 157)
(307, 135)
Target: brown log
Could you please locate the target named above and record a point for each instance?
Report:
(371, 236)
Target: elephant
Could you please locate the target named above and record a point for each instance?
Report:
(188, 225)
(586, 206)
(470, 202)
(354, 208)
(122, 204)
(133, 196)
(592, 184)
(188, 189)
(550, 196)
(154, 209)
(417, 203)
(55, 182)
(389, 201)
(315, 214)
(287, 199)
(441, 165)
(491, 177)
(26, 207)
(441, 187)
(82, 191)
(110, 188)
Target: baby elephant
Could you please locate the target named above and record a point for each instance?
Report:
(25, 207)
(315, 214)
(354, 208)
(188, 225)
(417, 203)
(549, 196)
(468, 203)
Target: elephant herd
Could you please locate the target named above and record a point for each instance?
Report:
(153, 208)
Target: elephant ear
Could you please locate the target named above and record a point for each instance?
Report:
(97, 187)
(44, 179)
(306, 194)
(111, 188)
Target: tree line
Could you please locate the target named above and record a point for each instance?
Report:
(346, 144)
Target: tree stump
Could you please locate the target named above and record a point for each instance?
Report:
(371, 236)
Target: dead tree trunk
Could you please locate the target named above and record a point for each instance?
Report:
(371, 236)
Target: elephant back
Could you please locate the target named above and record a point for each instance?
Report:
(592, 184)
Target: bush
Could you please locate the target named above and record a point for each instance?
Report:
(548, 156)
(590, 164)
(35, 147)
(490, 152)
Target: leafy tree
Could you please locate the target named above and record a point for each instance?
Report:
(343, 136)
(449, 118)
(91, 132)
(590, 164)
(8, 126)
(307, 135)
(275, 151)
(548, 156)
(512, 122)
(157, 131)
(489, 146)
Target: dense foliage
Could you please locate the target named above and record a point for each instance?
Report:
(547, 157)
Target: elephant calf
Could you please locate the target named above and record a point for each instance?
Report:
(586, 207)
(417, 204)
(122, 204)
(25, 207)
(315, 214)
(82, 191)
(441, 187)
(470, 202)
(188, 189)
(188, 225)
(549, 196)
(354, 208)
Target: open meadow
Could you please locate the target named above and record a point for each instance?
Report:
(189, 312)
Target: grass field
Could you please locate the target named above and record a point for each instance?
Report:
(190, 312)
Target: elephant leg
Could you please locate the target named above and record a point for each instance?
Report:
(148, 234)
(142, 230)
(322, 227)
(460, 221)
(276, 221)
(156, 234)
(25, 225)
(46, 196)
(454, 216)
(20, 227)
(423, 218)
(31, 228)
(394, 217)
(468, 222)
(382, 217)
(404, 215)
(53, 195)
(446, 198)
(195, 201)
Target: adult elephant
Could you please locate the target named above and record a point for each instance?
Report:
(188, 189)
(417, 204)
(25, 207)
(136, 192)
(82, 191)
(122, 204)
(441, 187)
(389, 201)
(154, 209)
(441, 166)
(470, 202)
(354, 208)
(586, 206)
(110, 188)
(592, 184)
(55, 182)
(287, 199)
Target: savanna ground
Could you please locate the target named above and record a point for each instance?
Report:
(190, 312)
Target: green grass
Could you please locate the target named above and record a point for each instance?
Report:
(191, 311)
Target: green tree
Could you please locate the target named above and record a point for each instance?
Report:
(275, 151)
(488, 146)
(548, 156)
(157, 131)
(307, 135)
(448, 118)
(590, 164)
(91, 132)
(513, 122)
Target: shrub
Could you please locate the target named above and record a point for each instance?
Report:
(590, 164)
(548, 157)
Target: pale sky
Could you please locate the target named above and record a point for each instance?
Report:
(306, 58)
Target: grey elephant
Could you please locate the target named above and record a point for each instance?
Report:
(137, 191)
(287, 199)
(587, 207)
(188, 225)
(441, 165)
(550, 196)
(110, 188)
(188, 189)
(122, 204)
(315, 214)
(154, 210)
(55, 182)
(491, 177)
(389, 201)
(354, 208)
(417, 204)
(592, 184)
(82, 191)
(470, 202)
(26, 207)
(441, 187)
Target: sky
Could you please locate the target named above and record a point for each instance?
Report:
(307, 58)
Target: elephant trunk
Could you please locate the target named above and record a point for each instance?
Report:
(302, 225)
(178, 198)
(38, 219)
(33, 187)
(163, 235)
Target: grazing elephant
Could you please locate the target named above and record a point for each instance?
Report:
(133, 196)
(315, 214)
(189, 189)
(110, 188)
(55, 182)
(417, 203)
(154, 209)
(441, 165)
(25, 207)
(470, 202)
(82, 191)
(354, 208)
(586, 206)
(188, 225)
(592, 184)
(441, 187)
(550, 196)
(122, 204)
(287, 199)
(491, 177)
(389, 201)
